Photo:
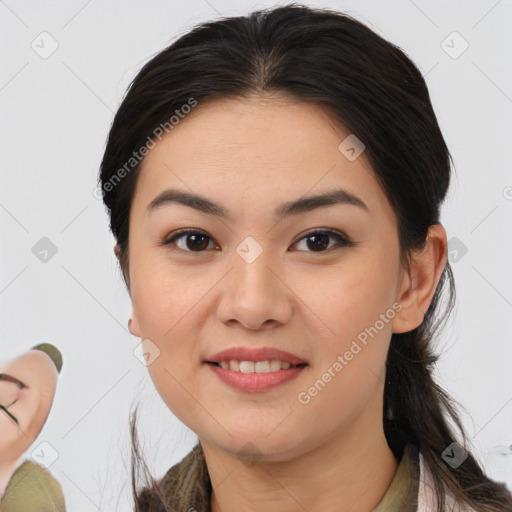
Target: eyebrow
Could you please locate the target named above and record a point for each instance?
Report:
(295, 207)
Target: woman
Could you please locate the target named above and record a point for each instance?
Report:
(27, 389)
(274, 184)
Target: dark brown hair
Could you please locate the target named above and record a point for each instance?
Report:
(370, 87)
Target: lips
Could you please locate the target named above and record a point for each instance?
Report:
(255, 354)
(256, 382)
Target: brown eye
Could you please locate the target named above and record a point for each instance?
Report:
(319, 241)
(193, 241)
(196, 241)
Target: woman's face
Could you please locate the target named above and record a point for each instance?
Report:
(254, 279)
(27, 388)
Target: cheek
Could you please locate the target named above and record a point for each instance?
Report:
(11, 434)
(356, 312)
(166, 301)
(173, 379)
(350, 369)
(350, 300)
(163, 294)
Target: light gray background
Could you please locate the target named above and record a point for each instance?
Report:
(55, 115)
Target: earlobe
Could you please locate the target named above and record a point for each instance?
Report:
(133, 326)
(117, 250)
(419, 284)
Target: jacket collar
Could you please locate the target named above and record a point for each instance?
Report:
(402, 493)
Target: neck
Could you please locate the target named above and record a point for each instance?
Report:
(352, 471)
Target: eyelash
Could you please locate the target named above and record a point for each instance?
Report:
(342, 240)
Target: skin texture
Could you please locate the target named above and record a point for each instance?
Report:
(36, 370)
(251, 156)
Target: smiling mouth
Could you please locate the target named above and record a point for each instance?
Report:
(266, 366)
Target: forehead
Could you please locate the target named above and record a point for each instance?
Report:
(272, 147)
(268, 128)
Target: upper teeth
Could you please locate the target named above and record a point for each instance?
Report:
(255, 367)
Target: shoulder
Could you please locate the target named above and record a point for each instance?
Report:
(427, 501)
(187, 484)
(32, 488)
(29, 473)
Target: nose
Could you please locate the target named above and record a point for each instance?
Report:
(254, 293)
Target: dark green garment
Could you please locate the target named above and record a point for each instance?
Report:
(32, 488)
(402, 494)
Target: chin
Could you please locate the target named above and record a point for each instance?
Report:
(255, 447)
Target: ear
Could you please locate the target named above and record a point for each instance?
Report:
(418, 285)
(133, 325)
(117, 252)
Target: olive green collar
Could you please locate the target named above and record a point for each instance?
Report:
(32, 488)
(401, 495)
